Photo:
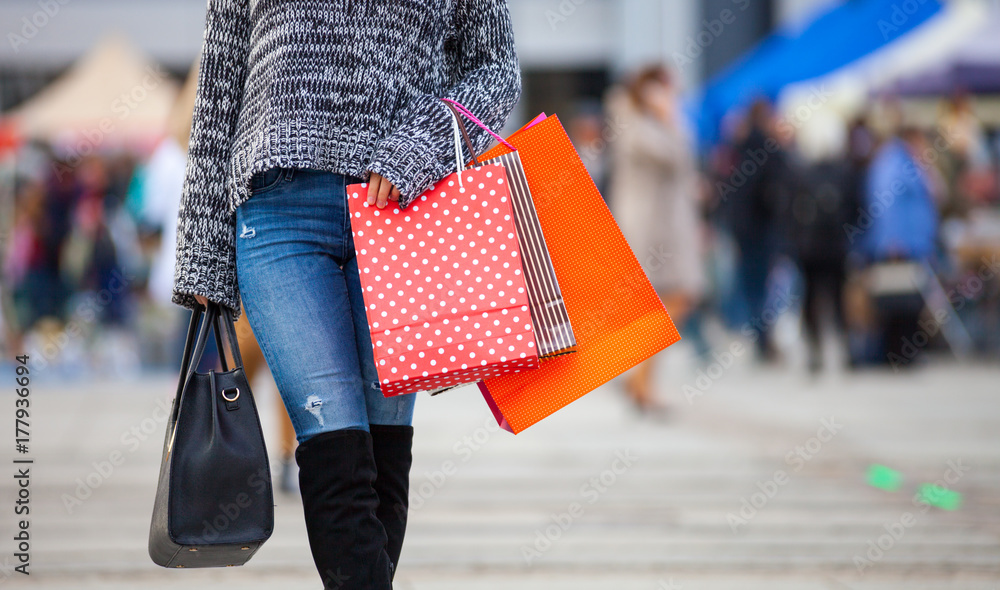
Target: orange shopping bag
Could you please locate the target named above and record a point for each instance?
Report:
(617, 317)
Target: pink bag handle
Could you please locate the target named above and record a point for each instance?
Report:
(461, 108)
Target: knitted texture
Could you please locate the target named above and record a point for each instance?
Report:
(348, 86)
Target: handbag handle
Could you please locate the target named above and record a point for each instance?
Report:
(188, 344)
(199, 348)
(218, 317)
(192, 356)
(218, 343)
(465, 111)
(225, 317)
(191, 349)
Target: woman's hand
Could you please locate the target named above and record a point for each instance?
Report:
(202, 300)
(381, 191)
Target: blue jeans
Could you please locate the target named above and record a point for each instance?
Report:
(301, 291)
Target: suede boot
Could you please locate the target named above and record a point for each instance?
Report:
(393, 457)
(347, 540)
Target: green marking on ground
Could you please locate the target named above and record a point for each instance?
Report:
(940, 497)
(884, 478)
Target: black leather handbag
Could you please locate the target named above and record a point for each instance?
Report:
(214, 503)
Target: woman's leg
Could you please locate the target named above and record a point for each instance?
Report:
(295, 297)
(396, 410)
(286, 432)
(291, 251)
(254, 363)
(389, 423)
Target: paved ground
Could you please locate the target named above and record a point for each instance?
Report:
(526, 512)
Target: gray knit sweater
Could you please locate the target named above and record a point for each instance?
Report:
(349, 86)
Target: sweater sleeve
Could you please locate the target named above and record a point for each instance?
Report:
(420, 151)
(206, 228)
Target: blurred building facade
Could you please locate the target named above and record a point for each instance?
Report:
(570, 49)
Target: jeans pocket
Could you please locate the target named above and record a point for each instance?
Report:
(262, 182)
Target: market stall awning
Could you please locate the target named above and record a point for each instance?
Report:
(112, 95)
(833, 39)
(972, 65)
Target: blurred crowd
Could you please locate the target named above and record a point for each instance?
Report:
(871, 240)
(819, 239)
(79, 255)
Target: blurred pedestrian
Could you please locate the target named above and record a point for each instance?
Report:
(90, 255)
(861, 142)
(655, 199)
(965, 163)
(587, 130)
(826, 202)
(757, 195)
(897, 233)
(31, 267)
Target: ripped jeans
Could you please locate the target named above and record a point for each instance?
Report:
(301, 291)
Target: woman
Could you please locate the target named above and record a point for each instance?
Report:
(296, 100)
(654, 196)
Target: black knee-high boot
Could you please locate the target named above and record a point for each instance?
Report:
(393, 457)
(336, 480)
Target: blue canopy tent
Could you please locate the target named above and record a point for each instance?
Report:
(835, 38)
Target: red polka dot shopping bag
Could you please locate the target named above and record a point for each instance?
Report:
(443, 283)
(553, 330)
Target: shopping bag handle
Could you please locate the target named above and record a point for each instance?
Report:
(458, 128)
(455, 126)
(465, 111)
(465, 134)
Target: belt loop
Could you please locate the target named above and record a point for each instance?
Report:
(289, 174)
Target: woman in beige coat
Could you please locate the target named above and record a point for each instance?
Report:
(655, 199)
